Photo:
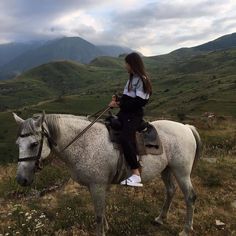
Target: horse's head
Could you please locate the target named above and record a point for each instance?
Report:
(34, 147)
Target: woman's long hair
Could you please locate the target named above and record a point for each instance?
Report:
(137, 66)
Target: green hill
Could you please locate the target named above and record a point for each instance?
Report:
(53, 80)
(189, 87)
(204, 83)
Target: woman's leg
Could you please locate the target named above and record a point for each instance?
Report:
(130, 125)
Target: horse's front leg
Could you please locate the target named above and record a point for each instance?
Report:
(98, 194)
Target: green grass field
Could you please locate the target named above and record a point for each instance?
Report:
(183, 90)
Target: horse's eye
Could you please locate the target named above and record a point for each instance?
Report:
(34, 144)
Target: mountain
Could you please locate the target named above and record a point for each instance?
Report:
(113, 50)
(224, 42)
(221, 43)
(68, 48)
(10, 51)
(202, 83)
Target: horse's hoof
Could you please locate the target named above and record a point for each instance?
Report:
(186, 231)
(183, 233)
(158, 221)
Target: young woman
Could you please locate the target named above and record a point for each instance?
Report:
(135, 96)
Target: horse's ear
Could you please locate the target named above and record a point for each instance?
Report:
(40, 120)
(18, 120)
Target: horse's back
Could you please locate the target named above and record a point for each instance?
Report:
(178, 141)
(173, 129)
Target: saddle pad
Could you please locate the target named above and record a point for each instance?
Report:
(148, 142)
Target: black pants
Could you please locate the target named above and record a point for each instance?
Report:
(130, 123)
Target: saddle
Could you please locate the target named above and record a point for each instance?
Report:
(147, 138)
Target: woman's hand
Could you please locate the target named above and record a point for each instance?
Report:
(114, 103)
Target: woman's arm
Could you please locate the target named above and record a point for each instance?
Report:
(128, 103)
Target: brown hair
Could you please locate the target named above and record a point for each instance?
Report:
(137, 66)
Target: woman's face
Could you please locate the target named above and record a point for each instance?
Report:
(128, 67)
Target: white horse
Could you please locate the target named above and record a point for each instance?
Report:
(95, 162)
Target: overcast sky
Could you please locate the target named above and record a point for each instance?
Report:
(149, 26)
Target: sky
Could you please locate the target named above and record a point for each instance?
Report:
(148, 26)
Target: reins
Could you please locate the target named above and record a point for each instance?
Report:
(51, 142)
(84, 130)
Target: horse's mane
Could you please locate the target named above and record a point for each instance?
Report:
(27, 125)
(52, 123)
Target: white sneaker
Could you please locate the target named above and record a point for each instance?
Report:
(133, 180)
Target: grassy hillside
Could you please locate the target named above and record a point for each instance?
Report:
(183, 90)
(52, 81)
(190, 86)
(54, 205)
(205, 83)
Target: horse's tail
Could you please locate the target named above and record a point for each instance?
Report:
(199, 144)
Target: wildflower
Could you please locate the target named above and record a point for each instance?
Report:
(27, 213)
(29, 218)
(39, 225)
(42, 216)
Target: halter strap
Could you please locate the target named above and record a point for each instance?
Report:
(26, 135)
(52, 142)
(34, 158)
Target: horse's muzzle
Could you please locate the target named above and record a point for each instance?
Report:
(22, 181)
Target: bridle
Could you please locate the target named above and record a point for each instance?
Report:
(36, 158)
(51, 142)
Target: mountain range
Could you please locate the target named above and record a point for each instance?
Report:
(203, 81)
(221, 43)
(189, 81)
(18, 57)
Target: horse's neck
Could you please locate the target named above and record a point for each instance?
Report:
(70, 126)
(77, 124)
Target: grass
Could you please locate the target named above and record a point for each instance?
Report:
(191, 86)
(60, 207)
(56, 207)
(129, 211)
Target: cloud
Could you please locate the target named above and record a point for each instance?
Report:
(153, 27)
(166, 25)
(22, 20)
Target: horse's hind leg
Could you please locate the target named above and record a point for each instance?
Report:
(98, 194)
(185, 185)
(168, 180)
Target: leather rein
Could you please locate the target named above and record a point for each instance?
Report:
(52, 143)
